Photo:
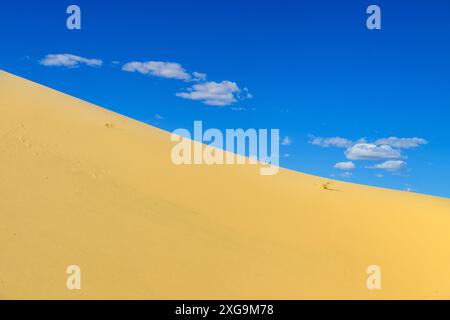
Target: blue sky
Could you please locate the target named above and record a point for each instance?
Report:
(312, 69)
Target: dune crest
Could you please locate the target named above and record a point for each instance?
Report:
(81, 185)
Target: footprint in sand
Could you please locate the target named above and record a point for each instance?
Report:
(25, 142)
(328, 186)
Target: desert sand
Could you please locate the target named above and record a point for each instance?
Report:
(81, 185)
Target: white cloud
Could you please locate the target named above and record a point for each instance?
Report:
(401, 143)
(171, 70)
(346, 174)
(158, 117)
(213, 93)
(368, 151)
(247, 94)
(287, 141)
(198, 76)
(391, 165)
(69, 61)
(345, 165)
(331, 142)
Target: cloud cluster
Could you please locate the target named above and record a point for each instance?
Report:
(208, 92)
(388, 150)
(69, 61)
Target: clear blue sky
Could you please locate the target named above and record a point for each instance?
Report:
(312, 68)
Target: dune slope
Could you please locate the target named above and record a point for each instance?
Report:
(81, 185)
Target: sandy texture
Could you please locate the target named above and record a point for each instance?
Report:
(83, 185)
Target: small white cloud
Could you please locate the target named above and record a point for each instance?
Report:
(391, 165)
(345, 165)
(368, 151)
(198, 76)
(212, 93)
(401, 143)
(238, 109)
(331, 142)
(171, 70)
(247, 94)
(287, 141)
(69, 61)
(346, 174)
(159, 117)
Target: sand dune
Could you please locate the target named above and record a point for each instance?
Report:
(81, 185)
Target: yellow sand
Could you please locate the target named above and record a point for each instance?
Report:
(81, 185)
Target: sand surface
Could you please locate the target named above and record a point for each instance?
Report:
(81, 185)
